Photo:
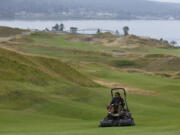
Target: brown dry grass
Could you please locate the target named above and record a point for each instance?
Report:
(131, 90)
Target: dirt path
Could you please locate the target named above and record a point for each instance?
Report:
(5, 39)
(131, 90)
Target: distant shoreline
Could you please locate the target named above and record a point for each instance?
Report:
(165, 29)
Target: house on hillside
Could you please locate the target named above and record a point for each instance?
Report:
(73, 30)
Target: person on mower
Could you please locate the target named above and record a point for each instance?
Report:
(117, 104)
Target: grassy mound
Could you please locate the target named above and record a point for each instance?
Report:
(105, 35)
(132, 39)
(159, 62)
(7, 31)
(19, 67)
(19, 73)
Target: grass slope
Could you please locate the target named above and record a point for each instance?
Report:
(41, 95)
(7, 31)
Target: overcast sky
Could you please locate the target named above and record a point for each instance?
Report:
(171, 1)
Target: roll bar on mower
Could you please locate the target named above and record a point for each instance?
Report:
(122, 89)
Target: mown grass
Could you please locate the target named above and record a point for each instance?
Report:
(41, 95)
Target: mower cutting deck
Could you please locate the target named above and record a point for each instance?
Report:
(124, 118)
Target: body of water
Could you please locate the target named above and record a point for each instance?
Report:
(166, 29)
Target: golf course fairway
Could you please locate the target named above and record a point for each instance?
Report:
(60, 84)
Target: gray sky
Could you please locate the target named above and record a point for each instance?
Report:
(171, 1)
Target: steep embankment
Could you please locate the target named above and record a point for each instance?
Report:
(22, 74)
(35, 69)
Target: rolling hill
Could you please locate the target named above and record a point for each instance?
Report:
(59, 84)
(89, 9)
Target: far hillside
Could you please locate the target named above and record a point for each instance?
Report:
(89, 9)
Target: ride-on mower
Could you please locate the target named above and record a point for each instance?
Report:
(120, 116)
